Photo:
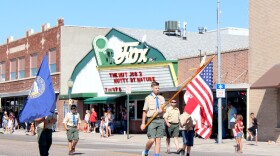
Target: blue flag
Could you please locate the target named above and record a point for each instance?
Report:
(41, 99)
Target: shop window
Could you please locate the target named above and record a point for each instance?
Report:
(52, 60)
(13, 69)
(33, 64)
(21, 67)
(132, 113)
(2, 71)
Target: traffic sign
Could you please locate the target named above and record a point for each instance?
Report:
(220, 86)
(128, 90)
(220, 90)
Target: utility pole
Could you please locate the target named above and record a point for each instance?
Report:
(219, 74)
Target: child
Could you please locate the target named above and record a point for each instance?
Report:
(102, 127)
(10, 124)
(32, 129)
(85, 126)
(239, 132)
(186, 126)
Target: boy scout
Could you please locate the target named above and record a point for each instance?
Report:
(44, 133)
(72, 123)
(187, 127)
(153, 103)
(171, 118)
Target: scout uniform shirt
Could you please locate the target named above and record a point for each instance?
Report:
(70, 117)
(189, 125)
(47, 125)
(172, 115)
(151, 104)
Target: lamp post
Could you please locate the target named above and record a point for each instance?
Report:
(70, 84)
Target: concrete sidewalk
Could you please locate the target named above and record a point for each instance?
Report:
(200, 145)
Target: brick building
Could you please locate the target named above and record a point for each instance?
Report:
(20, 60)
(264, 55)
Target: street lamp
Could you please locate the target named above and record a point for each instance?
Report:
(70, 84)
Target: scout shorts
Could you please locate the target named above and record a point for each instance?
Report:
(156, 128)
(72, 133)
(172, 131)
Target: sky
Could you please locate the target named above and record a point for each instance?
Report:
(18, 16)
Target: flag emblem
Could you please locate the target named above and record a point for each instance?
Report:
(37, 88)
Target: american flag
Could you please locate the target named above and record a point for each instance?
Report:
(199, 101)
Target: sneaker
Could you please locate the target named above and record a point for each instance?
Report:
(143, 154)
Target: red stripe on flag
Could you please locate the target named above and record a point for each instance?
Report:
(202, 99)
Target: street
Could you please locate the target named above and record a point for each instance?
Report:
(92, 144)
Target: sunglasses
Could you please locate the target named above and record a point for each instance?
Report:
(173, 102)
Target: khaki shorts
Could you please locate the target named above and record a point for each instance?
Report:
(156, 128)
(72, 133)
(172, 131)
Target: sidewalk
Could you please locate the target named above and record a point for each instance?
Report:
(200, 145)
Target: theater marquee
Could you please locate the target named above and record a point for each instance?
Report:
(139, 78)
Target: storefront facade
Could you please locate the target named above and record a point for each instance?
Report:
(117, 61)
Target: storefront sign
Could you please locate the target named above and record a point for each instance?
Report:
(119, 53)
(138, 78)
(133, 55)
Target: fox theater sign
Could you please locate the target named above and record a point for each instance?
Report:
(123, 61)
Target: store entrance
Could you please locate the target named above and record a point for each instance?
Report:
(14, 104)
(239, 100)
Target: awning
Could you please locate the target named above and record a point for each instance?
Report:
(102, 99)
(271, 79)
(15, 94)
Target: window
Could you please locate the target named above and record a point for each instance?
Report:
(2, 72)
(21, 67)
(52, 60)
(33, 64)
(13, 69)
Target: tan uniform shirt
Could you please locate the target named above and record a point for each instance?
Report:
(150, 104)
(68, 120)
(189, 124)
(47, 125)
(172, 114)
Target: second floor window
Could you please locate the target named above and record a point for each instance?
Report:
(33, 64)
(52, 60)
(21, 67)
(2, 71)
(13, 69)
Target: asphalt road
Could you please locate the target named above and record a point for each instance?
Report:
(24, 145)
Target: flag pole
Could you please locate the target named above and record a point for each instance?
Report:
(184, 86)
